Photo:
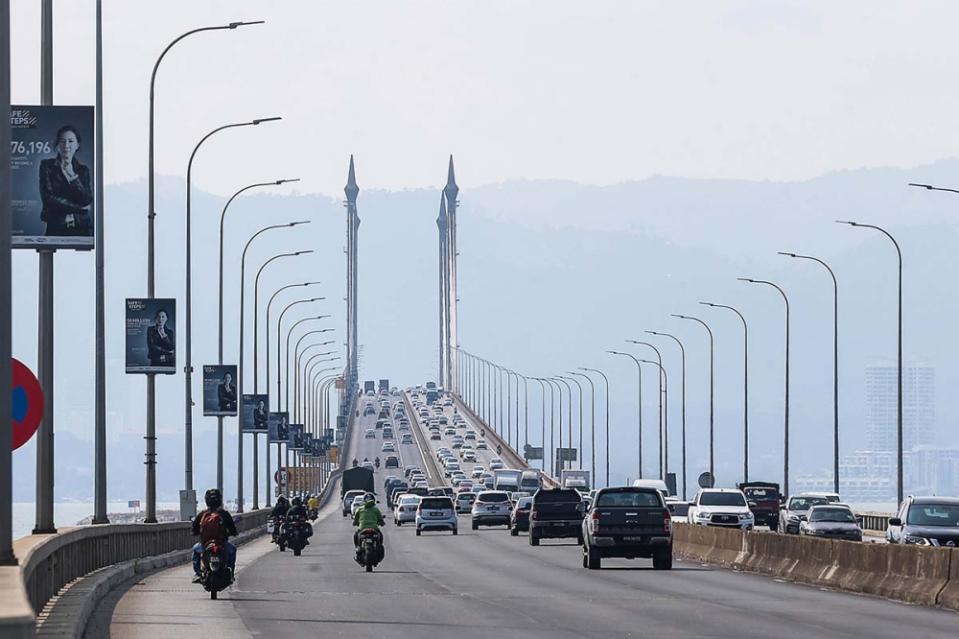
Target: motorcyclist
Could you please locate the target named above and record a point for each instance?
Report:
(214, 524)
(355, 463)
(499, 450)
(280, 509)
(376, 462)
(313, 503)
(368, 516)
(298, 513)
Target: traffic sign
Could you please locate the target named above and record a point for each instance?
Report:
(706, 480)
(27, 403)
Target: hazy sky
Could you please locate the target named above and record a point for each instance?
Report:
(598, 92)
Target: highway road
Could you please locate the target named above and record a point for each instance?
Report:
(488, 584)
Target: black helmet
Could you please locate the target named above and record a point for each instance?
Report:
(296, 501)
(281, 499)
(369, 499)
(213, 498)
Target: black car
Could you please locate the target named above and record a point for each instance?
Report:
(392, 462)
(556, 513)
(832, 521)
(629, 522)
(519, 518)
(795, 511)
(764, 500)
(926, 521)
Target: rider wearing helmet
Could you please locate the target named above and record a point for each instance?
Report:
(367, 516)
(280, 508)
(313, 503)
(298, 512)
(213, 524)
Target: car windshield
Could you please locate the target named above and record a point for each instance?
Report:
(722, 499)
(629, 499)
(805, 503)
(761, 494)
(559, 495)
(436, 502)
(492, 498)
(933, 515)
(524, 502)
(843, 515)
(406, 501)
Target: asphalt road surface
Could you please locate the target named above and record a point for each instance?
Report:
(488, 584)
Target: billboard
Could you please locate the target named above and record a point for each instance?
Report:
(279, 428)
(219, 390)
(255, 413)
(296, 437)
(151, 337)
(52, 176)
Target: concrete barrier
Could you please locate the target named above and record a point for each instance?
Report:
(914, 574)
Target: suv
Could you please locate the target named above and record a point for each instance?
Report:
(556, 513)
(726, 507)
(436, 513)
(794, 512)
(491, 508)
(630, 522)
(464, 502)
(926, 521)
(763, 499)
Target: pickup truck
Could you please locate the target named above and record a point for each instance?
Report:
(556, 513)
(628, 522)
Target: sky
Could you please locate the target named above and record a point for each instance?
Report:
(595, 92)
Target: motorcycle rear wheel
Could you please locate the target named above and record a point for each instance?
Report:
(213, 594)
(296, 552)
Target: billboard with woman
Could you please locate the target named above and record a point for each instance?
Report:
(255, 413)
(219, 390)
(150, 339)
(52, 176)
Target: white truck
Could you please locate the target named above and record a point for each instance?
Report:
(530, 481)
(578, 479)
(507, 479)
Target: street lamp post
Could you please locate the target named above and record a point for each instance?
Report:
(682, 353)
(663, 414)
(786, 412)
(580, 386)
(188, 366)
(239, 428)
(712, 374)
(745, 385)
(542, 394)
(569, 412)
(899, 486)
(592, 422)
(219, 420)
(605, 379)
(835, 363)
(639, 412)
(151, 268)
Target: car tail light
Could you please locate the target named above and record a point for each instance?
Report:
(594, 521)
(667, 521)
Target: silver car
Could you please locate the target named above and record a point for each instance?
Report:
(405, 510)
(491, 508)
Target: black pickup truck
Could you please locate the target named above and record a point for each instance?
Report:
(556, 513)
(628, 522)
(764, 502)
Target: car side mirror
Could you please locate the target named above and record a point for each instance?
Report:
(751, 504)
(895, 521)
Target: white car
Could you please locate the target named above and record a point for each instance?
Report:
(388, 447)
(436, 513)
(726, 507)
(491, 508)
(370, 433)
(348, 500)
(469, 456)
(481, 445)
(477, 472)
(357, 502)
(464, 502)
(405, 510)
(495, 465)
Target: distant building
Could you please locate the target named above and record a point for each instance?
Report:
(933, 471)
(918, 407)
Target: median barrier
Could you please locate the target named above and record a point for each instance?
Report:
(949, 595)
(713, 545)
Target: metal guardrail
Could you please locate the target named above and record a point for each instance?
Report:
(50, 562)
(877, 522)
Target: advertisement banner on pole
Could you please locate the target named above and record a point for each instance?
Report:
(255, 413)
(296, 437)
(52, 173)
(151, 337)
(219, 390)
(279, 428)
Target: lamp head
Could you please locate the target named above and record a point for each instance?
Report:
(928, 187)
(287, 180)
(787, 254)
(234, 25)
(258, 120)
(746, 279)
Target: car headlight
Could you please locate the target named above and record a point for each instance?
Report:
(793, 518)
(702, 515)
(746, 516)
(917, 541)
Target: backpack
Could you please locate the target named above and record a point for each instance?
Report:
(211, 527)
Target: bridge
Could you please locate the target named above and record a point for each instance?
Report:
(488, 583)
(299, 424)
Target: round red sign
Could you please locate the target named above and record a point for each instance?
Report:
(27, 403)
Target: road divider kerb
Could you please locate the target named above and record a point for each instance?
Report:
(914, 574)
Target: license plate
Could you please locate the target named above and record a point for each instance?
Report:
(436, 514)
(632, 539)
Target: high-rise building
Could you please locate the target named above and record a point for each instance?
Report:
(918, 407)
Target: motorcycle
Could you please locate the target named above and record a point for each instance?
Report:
(355, 463)
(314, 513)
(275, 527)
(377, 462)
(499, 450)
(294, 536)
(369, 550)
(215, 574)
